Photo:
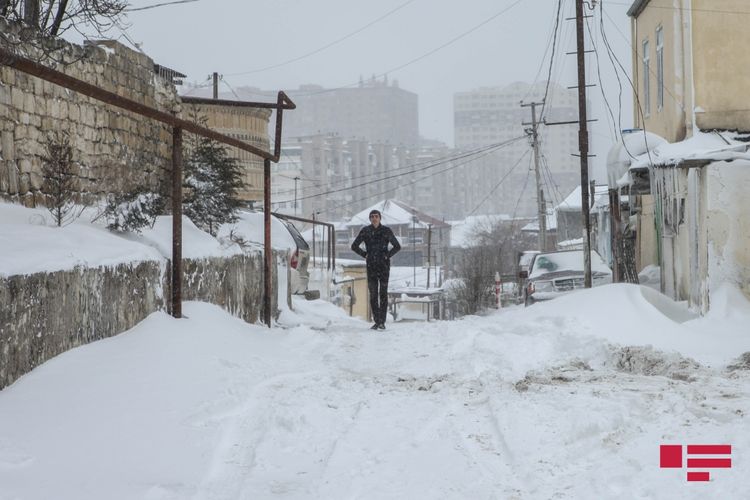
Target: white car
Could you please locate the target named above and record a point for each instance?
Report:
(555, 273)
(284, 237)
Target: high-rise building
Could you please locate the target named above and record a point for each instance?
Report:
(375, 110)
(493, 115)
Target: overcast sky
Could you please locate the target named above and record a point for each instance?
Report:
(239, 38)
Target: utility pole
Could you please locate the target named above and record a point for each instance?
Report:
(429, 246)
(583, 144)
(541, 213)
(216, 85)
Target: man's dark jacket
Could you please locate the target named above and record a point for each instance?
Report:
(376, 240)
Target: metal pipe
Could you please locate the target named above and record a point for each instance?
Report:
(267, 250)
(177, 222)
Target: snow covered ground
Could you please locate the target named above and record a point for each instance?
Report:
(561, 400)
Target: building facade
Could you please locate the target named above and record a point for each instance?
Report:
(246, 123)
(685, 77)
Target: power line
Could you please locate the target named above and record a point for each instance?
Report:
(432, 174)
(402, 174)
(599, 77)
(426, 54)
(666, 7)
(437, 161)
(175, 2)
(326, 46)
(551, 59)
(499, 182)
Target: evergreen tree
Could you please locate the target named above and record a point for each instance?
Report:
(59, 180)
(213, 180)
(134, 210)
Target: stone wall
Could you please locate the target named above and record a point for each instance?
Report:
(45, 314)
(113, 149)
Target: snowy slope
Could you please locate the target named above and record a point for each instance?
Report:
(544, 402)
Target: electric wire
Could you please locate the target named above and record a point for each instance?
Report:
(163, 4)
(389, 190)
(434, 161)
(499, 182)
(489, 150)
(426, 54)
(326, 46)
(551, 59)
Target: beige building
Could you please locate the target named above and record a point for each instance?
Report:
(692, 69)
(243, 122)
(685, 74)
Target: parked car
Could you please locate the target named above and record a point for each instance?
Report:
(552, 274)
(284, 237)
(298, 260)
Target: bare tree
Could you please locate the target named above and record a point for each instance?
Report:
(53, 17)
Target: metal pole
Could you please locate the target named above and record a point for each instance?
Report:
(414, 245)
(429, 245)
(177, 222)
(216, 85)
(267, 250)
(313, 239)
(583, 144)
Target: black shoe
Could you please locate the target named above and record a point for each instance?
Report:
(381, 326)
(375, 326)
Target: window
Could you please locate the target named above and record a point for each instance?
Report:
(646, 101)
(659, 68)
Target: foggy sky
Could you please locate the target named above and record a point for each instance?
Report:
(235, 37)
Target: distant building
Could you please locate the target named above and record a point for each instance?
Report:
(375, 110)
(492, 115)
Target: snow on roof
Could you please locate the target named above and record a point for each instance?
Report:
(533, 226)
(708, 146)
(634, 143)
(394, 213)
(573, 201)
(462, 231)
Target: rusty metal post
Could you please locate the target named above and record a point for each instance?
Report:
(333, 247)
(267, 250)
(330, 246)
(177, 222)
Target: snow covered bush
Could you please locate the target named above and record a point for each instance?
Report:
(133, 211)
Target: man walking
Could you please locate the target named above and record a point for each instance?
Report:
(376, 238)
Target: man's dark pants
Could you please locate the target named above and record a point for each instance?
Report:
(377, 283)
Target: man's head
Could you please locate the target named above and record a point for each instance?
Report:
(375, 218)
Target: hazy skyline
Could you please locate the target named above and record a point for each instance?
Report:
(440, 48)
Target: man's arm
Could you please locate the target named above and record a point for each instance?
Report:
(356, 245)
(394, 242)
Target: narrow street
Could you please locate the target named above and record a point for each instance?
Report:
(523, 403)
